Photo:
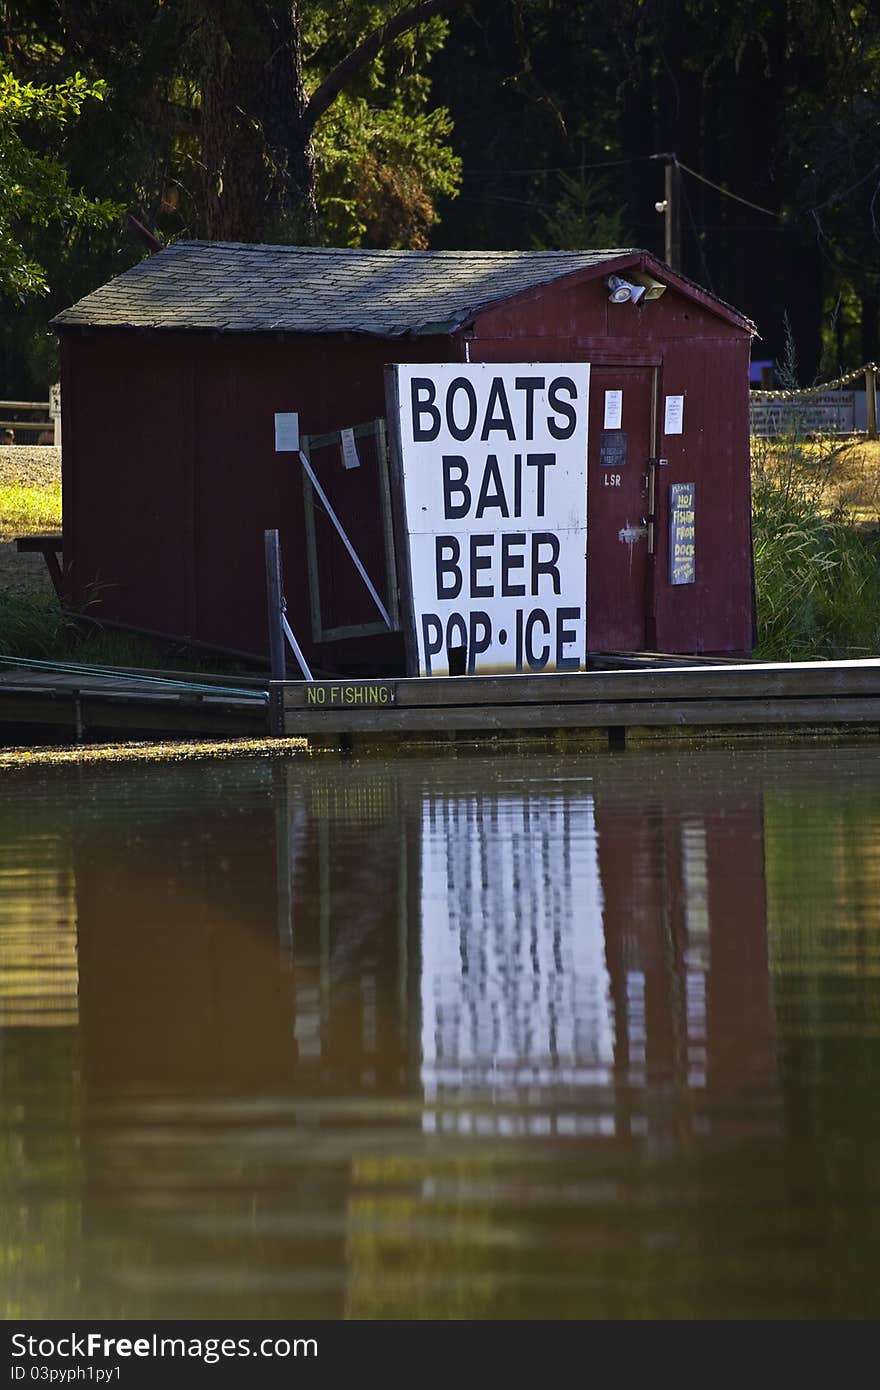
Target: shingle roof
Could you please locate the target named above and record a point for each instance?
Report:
(239, 288)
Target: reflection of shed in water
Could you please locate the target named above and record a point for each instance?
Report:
(392, 930)
(571, 957)
(570, 936)
(177, 947)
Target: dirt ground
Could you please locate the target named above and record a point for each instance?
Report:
(34, 466)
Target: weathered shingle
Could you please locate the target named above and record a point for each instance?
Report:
(234, 288)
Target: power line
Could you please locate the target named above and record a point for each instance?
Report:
(727, 193)
(559, 168)
(636, 159)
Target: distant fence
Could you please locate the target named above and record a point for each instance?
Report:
(48, 424)
(825, 409)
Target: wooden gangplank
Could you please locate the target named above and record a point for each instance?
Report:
(86, 704)
(773, 695)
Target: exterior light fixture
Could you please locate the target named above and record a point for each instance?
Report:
(622, 292)
(653, 288)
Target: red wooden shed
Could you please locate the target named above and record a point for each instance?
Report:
(173, 375)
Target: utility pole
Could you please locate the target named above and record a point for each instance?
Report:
(671, 209)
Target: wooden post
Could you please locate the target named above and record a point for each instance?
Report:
(273, 601)
(871, 399)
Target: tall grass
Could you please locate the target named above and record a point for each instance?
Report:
(34, 627)
(817, 574)
(25, 508)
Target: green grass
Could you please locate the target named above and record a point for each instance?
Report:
(27, 509)
(817, 573)
(33, 627)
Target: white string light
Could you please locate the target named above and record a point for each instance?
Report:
(809, 391)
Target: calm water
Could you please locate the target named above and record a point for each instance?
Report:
(590, 1037)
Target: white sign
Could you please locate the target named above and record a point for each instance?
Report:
(494, 464)
(674, 415)
(613, 410)
(349, 449)
(286, 432)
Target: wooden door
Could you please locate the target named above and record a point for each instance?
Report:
(620, 444)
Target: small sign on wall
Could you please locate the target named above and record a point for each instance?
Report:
(682, 533)
(612, 449)
(613, 410)
(673, 415)
(349, 449)
(286, 432)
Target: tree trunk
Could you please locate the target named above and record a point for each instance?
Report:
(870, 336)
(258, 163)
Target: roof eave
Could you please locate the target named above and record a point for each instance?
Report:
(643, 260)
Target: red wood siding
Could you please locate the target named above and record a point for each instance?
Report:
(171, 475)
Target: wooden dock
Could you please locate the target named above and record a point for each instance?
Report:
(89, 704)
(607, 707)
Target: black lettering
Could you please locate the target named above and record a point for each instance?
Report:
(447, 553)
(559, 407)
(491, 421)
(461, 383)
(564, 637)
(422, 396)
(529, 384)
(537, 660)
(480, 562)
(548, 567)
(456, 641)
(496, 498)
(510, 562)
(479, 637)
(541, 462)
(432, 638)
(455, 471)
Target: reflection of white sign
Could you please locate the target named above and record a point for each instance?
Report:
(674, 415)
(613, 410)
(514, 981)
(287, 433)
(494, 474)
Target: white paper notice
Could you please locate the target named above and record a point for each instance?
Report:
(673, 415)
(349, 449)
(613, 410)
(287, 433)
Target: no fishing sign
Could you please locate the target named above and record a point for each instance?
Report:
(491, 472)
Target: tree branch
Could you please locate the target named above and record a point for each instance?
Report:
(401, 23)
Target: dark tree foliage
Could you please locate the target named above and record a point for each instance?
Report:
(309, 119)
(777, 101)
